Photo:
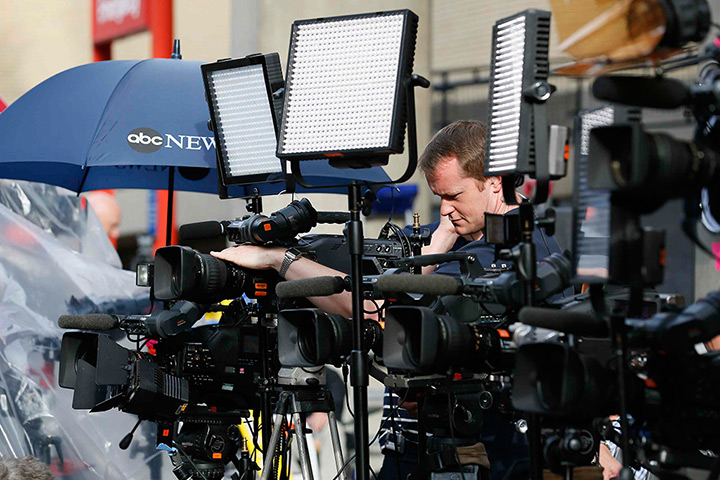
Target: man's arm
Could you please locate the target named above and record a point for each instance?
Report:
(271, 258)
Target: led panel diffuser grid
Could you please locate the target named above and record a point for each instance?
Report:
(242, 112)
(591, 207)
(344, 92)
(519, 59)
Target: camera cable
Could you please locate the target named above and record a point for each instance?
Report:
(378, 309)
(256, 448)
(346, 372)
(375, 438)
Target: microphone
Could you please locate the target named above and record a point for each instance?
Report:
(649, 92)
(425, 284)
(202, 230)
(89, 321)
(311, 287)
(576, 323)
(333, 217)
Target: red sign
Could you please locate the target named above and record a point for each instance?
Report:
(117, 18)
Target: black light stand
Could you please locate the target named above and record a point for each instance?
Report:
(359, 360)
(266, 381)
(524, 254)
(359, 378)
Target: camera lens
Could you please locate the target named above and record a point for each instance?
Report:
(307, 343)
(213, 273)
(414, 345)
(549, 387)
(182, 273)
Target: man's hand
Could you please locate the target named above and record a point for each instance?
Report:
(713, 345)
(317, 421)
(253, 257)
(443, 239)
(411, 408)
(611, 467)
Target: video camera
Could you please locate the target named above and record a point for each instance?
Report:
(188, 379)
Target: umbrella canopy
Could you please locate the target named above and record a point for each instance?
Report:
(125, 124)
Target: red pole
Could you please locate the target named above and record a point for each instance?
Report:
(101, 51)
(161, 27)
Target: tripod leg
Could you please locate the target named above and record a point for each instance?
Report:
(337, 447)
(303, 447)
(274, 439)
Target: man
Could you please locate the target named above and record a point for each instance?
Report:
(108, 211)
(453, 163)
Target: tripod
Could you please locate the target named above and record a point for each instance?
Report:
(300, 402)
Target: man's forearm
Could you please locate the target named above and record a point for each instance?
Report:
(255, 257)
(303, 268)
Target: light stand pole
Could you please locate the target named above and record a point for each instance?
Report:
(359, 377)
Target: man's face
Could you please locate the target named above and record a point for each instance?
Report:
(464, 200)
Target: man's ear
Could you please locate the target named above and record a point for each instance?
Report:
(495, 184)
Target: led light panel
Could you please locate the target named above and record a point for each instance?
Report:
(591, 207)
(242, 112)
(344, 92)
(519, 59)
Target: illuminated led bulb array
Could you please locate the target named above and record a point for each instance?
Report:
(595, 118)
(342, 84)
(244, 121)
(506, 96)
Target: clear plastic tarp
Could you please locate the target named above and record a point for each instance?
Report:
(55, 259)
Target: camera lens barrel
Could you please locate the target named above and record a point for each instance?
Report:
(298, 217)
(418, 339)
(685, 21)
(309, 337)
(182, 273)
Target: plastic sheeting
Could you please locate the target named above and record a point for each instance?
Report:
(54, 259)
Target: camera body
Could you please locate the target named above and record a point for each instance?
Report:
(214, 365)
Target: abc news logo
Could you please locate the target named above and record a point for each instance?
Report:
(148, 140)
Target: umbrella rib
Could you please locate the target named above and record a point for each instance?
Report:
(97, 128)
(85, 175)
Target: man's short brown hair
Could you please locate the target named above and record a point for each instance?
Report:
(463, 139)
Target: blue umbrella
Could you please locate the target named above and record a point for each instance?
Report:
(126, 124)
